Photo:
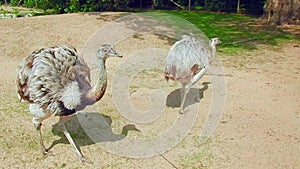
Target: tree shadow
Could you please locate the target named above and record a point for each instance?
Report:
(194, 96)
(165, 26)
(89, 128)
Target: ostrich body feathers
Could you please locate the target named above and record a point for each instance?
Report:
(52, 78)
(187, 57)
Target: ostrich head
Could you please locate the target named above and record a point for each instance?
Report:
(106, 51)
(214, 41)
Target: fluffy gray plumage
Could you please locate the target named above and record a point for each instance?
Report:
(47, 78)
(188, 59)
(187, 56)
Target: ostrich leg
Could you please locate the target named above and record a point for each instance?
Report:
(39, 133)
(67, 134)
(39, 116)
(197, 77)
(183, 91)
(186, 87)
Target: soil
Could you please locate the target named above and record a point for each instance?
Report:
(259, 127)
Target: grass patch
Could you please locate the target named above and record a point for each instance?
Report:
(200, 154)
(202, 159)
(141, 80)
(21, 11)
(237, 32)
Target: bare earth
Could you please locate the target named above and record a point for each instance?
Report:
(260, 127)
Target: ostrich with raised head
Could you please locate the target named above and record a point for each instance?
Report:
(56, 81)
(187, 60)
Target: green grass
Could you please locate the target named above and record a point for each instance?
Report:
(237, 32)
(21, 11)
(202, 158)
(199, 160)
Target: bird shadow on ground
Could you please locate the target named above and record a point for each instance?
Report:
(89, 128)
(194, 96)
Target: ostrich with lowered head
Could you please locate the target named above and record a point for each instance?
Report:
(187, 60)
(56, 81)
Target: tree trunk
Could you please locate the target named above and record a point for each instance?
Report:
(175, 3)
(282, 12)
(153, 4)
(238, 6)
(19, 3)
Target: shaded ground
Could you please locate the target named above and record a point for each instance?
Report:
(259, 128)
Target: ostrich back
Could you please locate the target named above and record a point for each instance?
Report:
(50, 78)
(186, 58)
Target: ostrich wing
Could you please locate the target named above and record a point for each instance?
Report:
(49, 77)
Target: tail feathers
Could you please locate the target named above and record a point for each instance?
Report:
(23, 74)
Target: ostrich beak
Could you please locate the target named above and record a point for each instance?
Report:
(115, 54)
(120, 56)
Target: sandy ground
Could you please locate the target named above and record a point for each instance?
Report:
(259, 128)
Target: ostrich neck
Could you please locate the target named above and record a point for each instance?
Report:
(97, 91)
(213, 49)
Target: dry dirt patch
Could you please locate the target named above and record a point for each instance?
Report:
(259, 129)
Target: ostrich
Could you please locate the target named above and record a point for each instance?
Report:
(56, 81)
(187, 60)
